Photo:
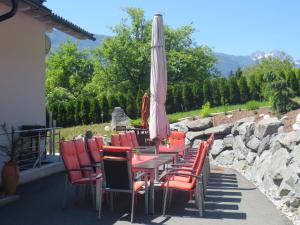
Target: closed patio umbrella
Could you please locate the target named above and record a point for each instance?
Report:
(145, 111)
(158, 124)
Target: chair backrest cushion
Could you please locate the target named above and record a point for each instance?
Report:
(116, 169)
(134, 139)
(115, 140)
(82, 154)
(99, 142)
(93, 149)
(129, 139)
(123, 140)
(177, 138)
(70, 159)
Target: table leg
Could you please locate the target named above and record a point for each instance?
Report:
(152, 177)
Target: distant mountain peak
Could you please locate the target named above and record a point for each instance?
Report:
(259, 55)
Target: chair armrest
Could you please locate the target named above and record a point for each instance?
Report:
(181, 164)
(79, 170)
(140, 175)
(181, 169)
(183, 175)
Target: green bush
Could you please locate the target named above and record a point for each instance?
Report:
(252, 105)
(205, 110)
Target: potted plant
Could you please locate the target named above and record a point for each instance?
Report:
(10, 172)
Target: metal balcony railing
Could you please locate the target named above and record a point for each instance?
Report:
(35, 147)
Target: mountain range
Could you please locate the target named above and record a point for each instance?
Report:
(226, 62)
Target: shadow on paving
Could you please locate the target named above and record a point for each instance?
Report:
(41, 204)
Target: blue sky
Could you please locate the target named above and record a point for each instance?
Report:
(238, 27)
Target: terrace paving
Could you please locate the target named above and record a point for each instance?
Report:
(231, 200)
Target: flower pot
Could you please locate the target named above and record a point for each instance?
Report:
(10, 177)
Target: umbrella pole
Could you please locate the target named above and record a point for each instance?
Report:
(157, 142)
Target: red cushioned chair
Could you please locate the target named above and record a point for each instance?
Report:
(76, 175)
(134, 139)
(123, 140)
(99, 141)
(195, 184)
(129, 139)
(115, 140)
(118, 175)
(177, 138)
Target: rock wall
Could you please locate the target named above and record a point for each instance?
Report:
(260, 150)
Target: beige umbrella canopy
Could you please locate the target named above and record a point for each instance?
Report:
(158, 124)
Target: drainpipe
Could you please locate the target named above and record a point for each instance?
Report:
(12, 12)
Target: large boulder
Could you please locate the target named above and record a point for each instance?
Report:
(251, 158)
(181, 125)
(192, 135)
(119, 118)
(234, 129)
(199, 124)
(216, 148)
(278, 165)
(264, 145)
(266, 127)
(221, 130)
(239, 146)
(226, 158)
(289, 140)
(228, 141)
(246, 130)
(196, 143)
(253, 143)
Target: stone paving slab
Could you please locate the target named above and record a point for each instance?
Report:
(230, 200)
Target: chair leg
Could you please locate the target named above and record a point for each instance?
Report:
(65, 193)
(165, 200)
(146, 195)
(111, 199)
(100, 201)
(170, 198)
(132, 206)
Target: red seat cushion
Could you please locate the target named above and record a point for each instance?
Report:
(180, 185)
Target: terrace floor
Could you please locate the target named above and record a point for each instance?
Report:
(231, 200)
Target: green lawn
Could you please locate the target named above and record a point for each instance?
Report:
(70, 132)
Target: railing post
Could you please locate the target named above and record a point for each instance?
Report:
(39, 149)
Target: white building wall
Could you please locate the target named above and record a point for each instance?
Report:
(22, 71)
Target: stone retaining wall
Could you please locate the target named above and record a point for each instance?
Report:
(261, 150)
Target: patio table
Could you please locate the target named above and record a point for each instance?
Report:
(150, 163)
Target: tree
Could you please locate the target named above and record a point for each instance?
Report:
(62, 114)
(78, 119)
(187, 97)
(216, 95)
(138, 102)
(197, 95)
(122, 61)
(68, 68)
(177, 98)
(254, 88)
(224, 91)
(112, 102)
(121, 98)
(292, 82)
(130, 106)
(85, 111)
(234, 95)
(244, 89)
(207, 92)
(170, 108)
(104, 107)
(279, 92)
(70, 117)
(95, 112)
